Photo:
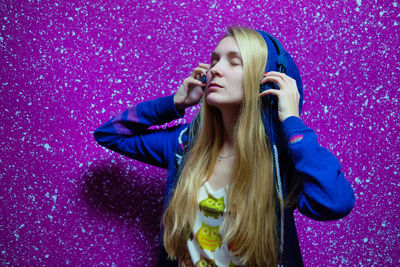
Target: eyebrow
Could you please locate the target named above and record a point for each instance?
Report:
(230, 54)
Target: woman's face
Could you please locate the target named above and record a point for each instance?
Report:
(225, 77)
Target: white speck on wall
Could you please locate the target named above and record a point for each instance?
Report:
(365, 240)
(32, 197)
(358, 2)
(149, 37)
(46, 146)
(325, 109)
(16, 234)
(98, 52)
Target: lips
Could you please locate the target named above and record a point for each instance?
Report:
(214, 86)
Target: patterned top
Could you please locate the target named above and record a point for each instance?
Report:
(205, 246)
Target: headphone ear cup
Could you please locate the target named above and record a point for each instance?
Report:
(268, 85)
(282, 62)
(203, 80)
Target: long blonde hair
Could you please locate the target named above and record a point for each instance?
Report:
(251, 223)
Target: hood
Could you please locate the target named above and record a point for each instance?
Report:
(280, 60)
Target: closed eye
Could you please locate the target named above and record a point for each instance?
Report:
(233, 57)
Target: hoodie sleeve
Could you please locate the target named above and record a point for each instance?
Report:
(127, 133)
(326, 194)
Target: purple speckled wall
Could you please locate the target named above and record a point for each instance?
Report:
(68, 66)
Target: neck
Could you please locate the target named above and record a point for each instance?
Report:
(229, 117)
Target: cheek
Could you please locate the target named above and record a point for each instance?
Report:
(240, 95)
(208, 77)
(237, 77)
(238, 82)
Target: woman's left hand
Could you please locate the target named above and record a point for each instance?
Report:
(288, 95)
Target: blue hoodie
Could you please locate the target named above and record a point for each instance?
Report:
(324, 193)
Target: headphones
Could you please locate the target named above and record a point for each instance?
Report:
(279, 64)
(277, 61)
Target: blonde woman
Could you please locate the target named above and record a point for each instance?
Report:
(237, 172)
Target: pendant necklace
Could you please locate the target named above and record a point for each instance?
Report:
(225, 157)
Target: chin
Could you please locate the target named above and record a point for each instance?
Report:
(223, 105)
(213, 100)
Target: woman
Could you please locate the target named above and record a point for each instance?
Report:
(237, 172)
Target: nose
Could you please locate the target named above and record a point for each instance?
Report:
(215, 70)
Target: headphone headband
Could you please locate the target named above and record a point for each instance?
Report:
(280, 53)
(280, 60)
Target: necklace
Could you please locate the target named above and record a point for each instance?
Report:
(225, 157)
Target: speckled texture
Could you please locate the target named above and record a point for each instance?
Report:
(68, 66)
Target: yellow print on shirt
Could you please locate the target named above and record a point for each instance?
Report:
(212, 207)
(186, 260)
(204, 262)
(208, 237)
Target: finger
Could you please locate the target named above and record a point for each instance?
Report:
(198, 72)
(204, 65)
(282, 84)
(270, 92)
(277, 73)
(193, 81)
(284, 76)
(271, 79)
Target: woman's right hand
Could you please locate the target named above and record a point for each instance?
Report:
(190, 91)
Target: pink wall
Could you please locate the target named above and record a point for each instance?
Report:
(67, 67)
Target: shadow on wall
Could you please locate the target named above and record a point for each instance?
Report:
(112, 190)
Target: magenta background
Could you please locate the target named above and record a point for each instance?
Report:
(68, 66)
